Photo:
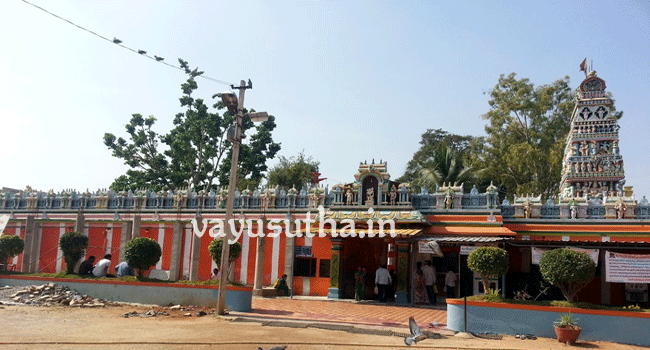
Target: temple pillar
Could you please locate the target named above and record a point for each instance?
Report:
(135, 228)
(196, 253)
(125, 237)
(289, 252)
(30, 233)
(335, 269)
(259, 259)
(177, 244)
(403, 256)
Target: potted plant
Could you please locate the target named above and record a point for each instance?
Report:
(566, 329)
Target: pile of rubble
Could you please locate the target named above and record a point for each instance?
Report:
(51, 294)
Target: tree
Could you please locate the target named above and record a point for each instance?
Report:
(141, 253)
(215, 249)
(568, 270)
(432, 140)
(444, 165)
(293, 172)
(73, 245)
(489, 262)
(10, 246)
(527, 132)
(198, 152)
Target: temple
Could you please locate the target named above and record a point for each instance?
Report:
(594, 212)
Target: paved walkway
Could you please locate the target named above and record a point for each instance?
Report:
(345, 311)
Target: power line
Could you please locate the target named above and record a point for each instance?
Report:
(118, 42)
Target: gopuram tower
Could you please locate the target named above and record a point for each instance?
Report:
(592, 164)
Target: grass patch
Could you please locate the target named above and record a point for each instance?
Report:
(491, 298)
(114, 279)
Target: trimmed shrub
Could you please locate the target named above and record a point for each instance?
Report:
(73, 245)
(141, 253)
(568, 270)
(10, 246)
(489, 262)
(215, 251)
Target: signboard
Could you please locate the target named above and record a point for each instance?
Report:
(429, 247)
(627, 268)
(536, 253)
(303, 251)
(466, 249)
(4, 219)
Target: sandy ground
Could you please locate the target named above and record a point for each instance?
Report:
(33, 327)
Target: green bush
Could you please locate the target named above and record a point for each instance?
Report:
(141, 253)
(215, 248)
(567, 269)
(10, 246)
(489, 262)
(73, 245)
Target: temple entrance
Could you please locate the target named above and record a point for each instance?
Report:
(370, 183)
(366, 252)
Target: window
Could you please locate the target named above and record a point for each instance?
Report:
(305, 267)
(324, 268)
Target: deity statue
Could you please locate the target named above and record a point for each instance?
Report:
(393, 195)
(583, 148)
(449, 199)
(620, 209)
(349, 197)
(594, 148)
(574, 211)
(370, 196)
(527, 209)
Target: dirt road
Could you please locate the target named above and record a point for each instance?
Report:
(31, 327)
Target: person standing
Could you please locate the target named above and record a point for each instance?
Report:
(429, 273)
(382, 280)
(450, 283)
(360, 284)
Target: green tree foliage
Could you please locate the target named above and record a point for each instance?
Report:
(527, 132)
(73, 245)
(444, 165)
(432, 140)
(215, 249)
(141, 253)
(568, 270)
(489, 262)
(293, 172)
(10, 246)
(197, 153)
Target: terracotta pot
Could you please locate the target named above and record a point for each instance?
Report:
(567, 335)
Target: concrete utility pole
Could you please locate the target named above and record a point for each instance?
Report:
(232, 186)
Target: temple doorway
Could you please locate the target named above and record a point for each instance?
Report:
(366, 252)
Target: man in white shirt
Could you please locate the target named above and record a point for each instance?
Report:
(382, 280)
(101, 269)
(429, 273)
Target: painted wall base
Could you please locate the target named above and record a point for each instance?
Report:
(402, 298)
(237, 298)
(597, 325)
(333, 293)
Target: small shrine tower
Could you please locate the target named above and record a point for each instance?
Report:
(592, 165)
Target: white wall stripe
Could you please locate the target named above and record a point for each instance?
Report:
(15, 260)
(214, 264)
(308, 241)
(275, 258)
(187, 251)
(243, 272)
(109, 239)
(305, 285)
(161, 241)
(59, 253)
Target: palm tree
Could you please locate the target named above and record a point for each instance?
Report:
(443, 166)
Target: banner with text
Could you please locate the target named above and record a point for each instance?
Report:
(627, 268)
(536, 253)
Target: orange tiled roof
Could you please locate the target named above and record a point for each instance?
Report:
(464, 230)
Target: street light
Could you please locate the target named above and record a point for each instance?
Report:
(236, 107)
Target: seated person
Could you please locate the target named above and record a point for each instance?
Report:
(123, 269)
(101, 269)
(86, 267)
(215, 274)
(281, 285)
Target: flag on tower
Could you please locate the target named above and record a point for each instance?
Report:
(583, 65)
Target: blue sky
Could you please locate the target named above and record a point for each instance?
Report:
(347, 81)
